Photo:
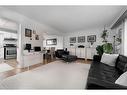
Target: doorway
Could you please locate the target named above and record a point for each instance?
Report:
(8, 45)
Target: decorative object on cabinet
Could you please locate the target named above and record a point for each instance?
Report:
(81, 39)
(36, 37)
(72, 39)
(71, 44)
(81, 46)
(51, 41)
(91, 38)
(30, 38)
(28, 32)
(34, 32)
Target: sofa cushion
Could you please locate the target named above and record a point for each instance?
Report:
(109, 59)
(121, 63)
(122, 80)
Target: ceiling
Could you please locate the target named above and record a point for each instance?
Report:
(71, 18)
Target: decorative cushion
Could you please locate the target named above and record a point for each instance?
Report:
(122, 80)
(109, 59)
(121, 63)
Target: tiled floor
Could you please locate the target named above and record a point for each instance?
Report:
(16, 70)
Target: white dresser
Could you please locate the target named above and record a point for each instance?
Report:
(32, 58)
(84, 53)
(90, 52)
(80, 53)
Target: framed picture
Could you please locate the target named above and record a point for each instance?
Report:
(36, 37)
(28, 32)
(91, 38)
(73, 40)
(51, 41)
(81, 39)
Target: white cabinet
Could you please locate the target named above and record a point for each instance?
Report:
(80, 52)
(32, 58)
(85, 53)
(90, 52)
(72, 51)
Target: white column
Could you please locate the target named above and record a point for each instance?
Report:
(20, 48)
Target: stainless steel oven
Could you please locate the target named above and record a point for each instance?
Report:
(10, 52)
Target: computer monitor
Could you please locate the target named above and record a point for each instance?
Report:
(37, 48)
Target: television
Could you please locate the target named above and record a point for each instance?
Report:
(28, 47)
(37, 48)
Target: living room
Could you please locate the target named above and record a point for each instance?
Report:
(73, 39)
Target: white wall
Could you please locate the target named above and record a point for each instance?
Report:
(125, 38)
(59, 41)
(96, 31)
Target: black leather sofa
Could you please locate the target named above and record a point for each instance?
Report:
(103, 76)
(60, 52)
(64, 55)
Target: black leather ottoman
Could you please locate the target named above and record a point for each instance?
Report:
(69, 58)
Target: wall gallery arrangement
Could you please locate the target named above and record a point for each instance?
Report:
(29, 32)
(81, 39)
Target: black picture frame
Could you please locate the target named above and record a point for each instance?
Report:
(28, 32)
(51, 41)
(91, 38)
(81, 39)
(72, 39)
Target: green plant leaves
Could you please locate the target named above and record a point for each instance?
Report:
(107, 48)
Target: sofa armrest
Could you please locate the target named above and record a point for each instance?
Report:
(97, 58)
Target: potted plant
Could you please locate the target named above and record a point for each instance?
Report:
(99, 49)
(107, 48)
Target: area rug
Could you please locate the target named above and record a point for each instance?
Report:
(5, 67)
(55, 75)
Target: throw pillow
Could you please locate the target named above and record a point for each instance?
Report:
(109, 59)
(122, 80)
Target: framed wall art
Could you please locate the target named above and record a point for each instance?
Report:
(28, 32)
(72, 39)
(81, 39)
(51, 41)
(91, 38)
